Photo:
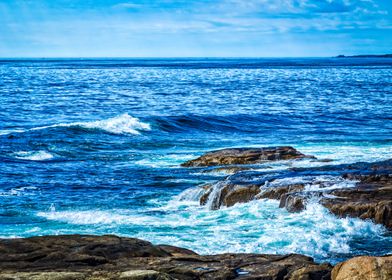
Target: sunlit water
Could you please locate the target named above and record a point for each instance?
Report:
(94, 146)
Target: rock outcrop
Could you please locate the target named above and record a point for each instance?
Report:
(368, 197)
(110, 257)
(364, 267)
(245, 156)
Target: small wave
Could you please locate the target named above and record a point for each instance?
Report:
(35, 156)
(20, 191)
(123, 124)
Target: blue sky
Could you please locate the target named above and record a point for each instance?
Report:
(177, 28)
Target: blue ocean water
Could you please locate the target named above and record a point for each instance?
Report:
(95, 146)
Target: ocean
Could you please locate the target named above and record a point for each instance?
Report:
(94, 146)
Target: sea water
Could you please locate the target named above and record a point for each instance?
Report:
(94, 146)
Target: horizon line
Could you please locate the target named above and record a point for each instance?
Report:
(191, 57)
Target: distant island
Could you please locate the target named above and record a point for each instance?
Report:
(366, 56)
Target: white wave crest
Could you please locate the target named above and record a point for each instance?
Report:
(315, 183)
(35, 156)
(123, 124)
(118, 125)
(20, 191)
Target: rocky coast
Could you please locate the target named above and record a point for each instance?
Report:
(362, 190)
(69, 257)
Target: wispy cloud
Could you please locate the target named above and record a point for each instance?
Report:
(227, 27)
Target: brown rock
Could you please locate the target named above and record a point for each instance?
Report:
(293, 202)
(364, 268)
(65, 251)
(244, 156)
(223, 194)
(143, 275)
(278, 192)
(227, 169)
(129, 258)
(370, 199)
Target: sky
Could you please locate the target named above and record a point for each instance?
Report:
(180, 28)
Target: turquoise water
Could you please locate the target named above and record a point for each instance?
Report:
(94, 146)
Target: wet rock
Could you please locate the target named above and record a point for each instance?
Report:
(278, 192)
(224, 194)
(292, 202)
(204, 197)
(72, 251)
(364, 267)
(144, 275)
(227, 169)
(245, 156)
(370, 199)
(43, 276)
(129, 258)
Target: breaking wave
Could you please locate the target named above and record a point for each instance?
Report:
(258, 226)
(34, 156)
(122, 124)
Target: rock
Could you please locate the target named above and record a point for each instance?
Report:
(144, 275)
(43, 276)
(66, 251)
(311, 272)
(244, 156)
(222, 194)
(238, 194)
(129, 258)
(370, 199)
(361, 268)
(225, 193)
(278, 192)
(292, 202)
(227, 169)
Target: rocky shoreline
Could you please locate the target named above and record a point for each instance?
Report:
(67, 257)
(362, 190)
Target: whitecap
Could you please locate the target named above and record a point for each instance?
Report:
(19, 191)
(34, 155)
(123, 124)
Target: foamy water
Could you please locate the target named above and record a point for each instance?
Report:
(258, 226)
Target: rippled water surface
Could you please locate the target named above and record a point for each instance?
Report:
(94, 146)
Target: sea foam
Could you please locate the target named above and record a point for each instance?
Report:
(255, 227)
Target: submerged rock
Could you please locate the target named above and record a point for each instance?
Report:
(67, 257)
(245, 156)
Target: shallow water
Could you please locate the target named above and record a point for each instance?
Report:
(94, 146)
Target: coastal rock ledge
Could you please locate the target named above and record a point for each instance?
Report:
(234, 156)
(67, 257)
(87, 257)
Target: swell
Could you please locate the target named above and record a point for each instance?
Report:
(339, 126)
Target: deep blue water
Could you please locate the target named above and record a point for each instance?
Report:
(94, 146)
